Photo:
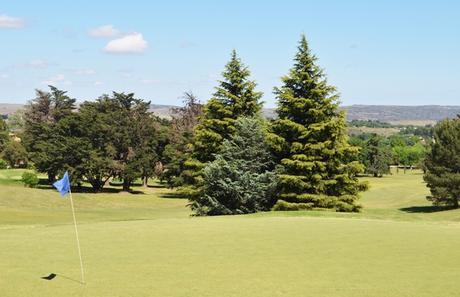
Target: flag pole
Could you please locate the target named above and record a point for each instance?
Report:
(78, 240)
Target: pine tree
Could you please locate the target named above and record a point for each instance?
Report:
(443, 164)
(310, 141)
(240, 179)
(376, 156)
(234, 97)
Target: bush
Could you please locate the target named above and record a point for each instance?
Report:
(30, 179)
(15, 154)
(3, 164)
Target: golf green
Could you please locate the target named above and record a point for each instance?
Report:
(148, 245)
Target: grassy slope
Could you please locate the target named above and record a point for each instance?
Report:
(273, 254)
(19, 205)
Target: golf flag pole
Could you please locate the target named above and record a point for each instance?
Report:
(63, 186)
(78, 240)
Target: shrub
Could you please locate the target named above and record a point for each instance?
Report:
(30, 179)
(3, 164)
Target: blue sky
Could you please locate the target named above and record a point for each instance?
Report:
(385, 52)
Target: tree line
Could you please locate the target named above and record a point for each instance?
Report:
(223, 155)
(378, 152)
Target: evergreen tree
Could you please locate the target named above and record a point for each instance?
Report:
(4, 135)
(239, 180)
(177, 152)
(310, 141)
(99, 165)
(40, 138)
(376, 157)
(131, 137)
(443, 164)
(234, 97)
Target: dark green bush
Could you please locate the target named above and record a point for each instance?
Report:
(30, 179)
(3, 164)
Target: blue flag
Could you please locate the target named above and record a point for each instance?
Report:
(63, 185)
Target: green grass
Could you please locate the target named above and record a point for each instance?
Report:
(148, 245)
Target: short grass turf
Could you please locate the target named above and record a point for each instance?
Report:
(148, 245)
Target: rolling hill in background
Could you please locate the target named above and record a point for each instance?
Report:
(422, 114)
(392, 113)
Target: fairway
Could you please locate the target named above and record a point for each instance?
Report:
(148, 245)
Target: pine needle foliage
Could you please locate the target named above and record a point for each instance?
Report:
(310, 141)
(240, 179)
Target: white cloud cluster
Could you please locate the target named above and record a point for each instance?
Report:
(10, 22)
(104, 31)
(129, 44)
(121, 43)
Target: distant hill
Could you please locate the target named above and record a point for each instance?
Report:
(6, 108)
(392, 113)
(385, 113)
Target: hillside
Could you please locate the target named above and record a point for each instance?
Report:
(385, 113)
(392, 113)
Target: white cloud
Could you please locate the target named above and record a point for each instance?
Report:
(57, 80)
(85, 72)
(11, 22)
(129, 44)
(104, 31)
(4, 76)
(97, 83)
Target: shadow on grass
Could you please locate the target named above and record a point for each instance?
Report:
(157, 186)
(425, 209)
(173, 196)
(45, 185)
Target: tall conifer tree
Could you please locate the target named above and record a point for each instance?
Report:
(234, 97)
(310, 141)
(442, 164)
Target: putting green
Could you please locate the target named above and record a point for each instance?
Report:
(147, 245)
(235, 256)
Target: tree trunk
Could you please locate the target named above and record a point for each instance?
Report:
(126, 185)
(97, 185)
(145, 181)
(51, 177)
